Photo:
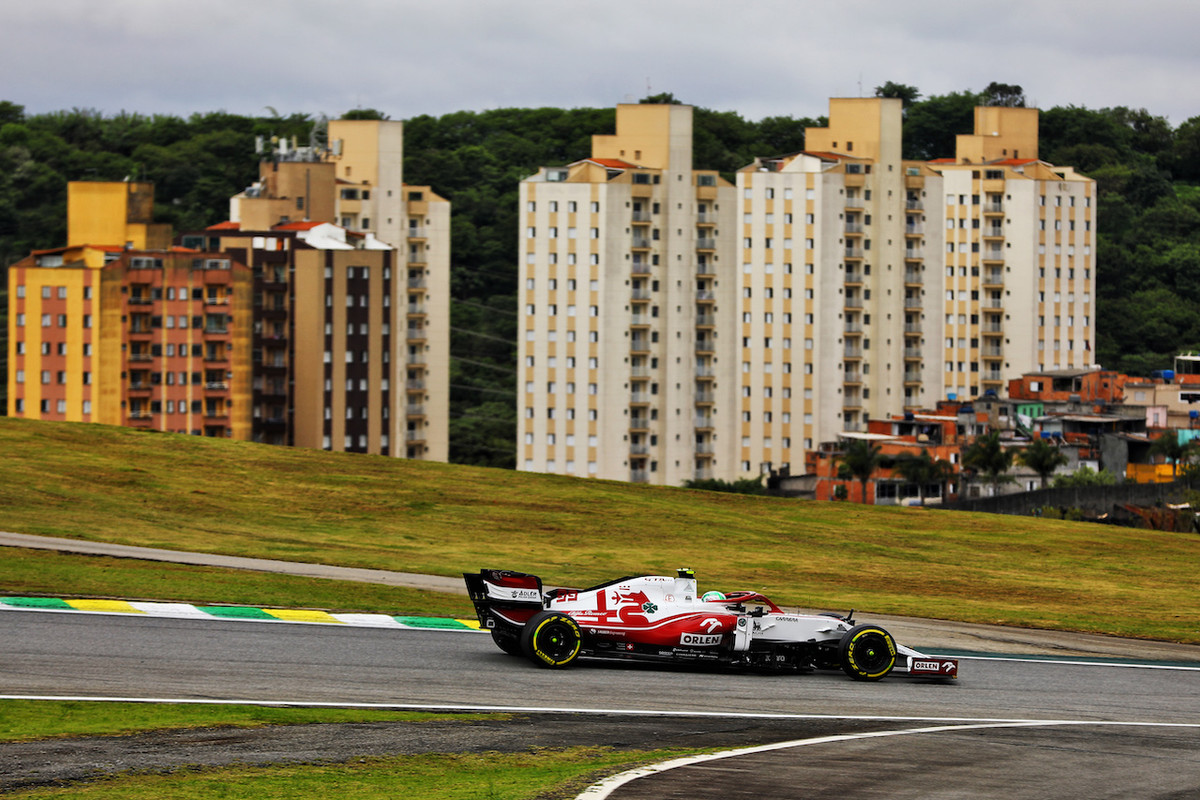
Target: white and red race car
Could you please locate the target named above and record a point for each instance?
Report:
(663, 618)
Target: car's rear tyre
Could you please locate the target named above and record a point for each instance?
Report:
(510, 644)
(551, 639)
(867, 652)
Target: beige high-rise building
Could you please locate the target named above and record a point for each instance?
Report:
(873, 285)
(352, 268)
(675, 327)
(627, 275)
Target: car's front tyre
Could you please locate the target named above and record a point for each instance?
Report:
(867, 652)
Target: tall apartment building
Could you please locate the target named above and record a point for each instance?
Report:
(622, 257)
(352, 287)
(119, 328)
(856, 285)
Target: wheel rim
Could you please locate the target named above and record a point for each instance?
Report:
(556, 640)
(871, 653)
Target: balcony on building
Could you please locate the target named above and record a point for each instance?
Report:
(416, 309)
(993, 303)
(415, 332)
(854, 201)
(852, 351)
(703, 422)
(706, 218)
(911, 328)
(912, 376)
(993, 232)
(914, 253)
(853, 300)
(140, 324)
(414, 385)
(852, 400)
(416, 283)
(991, 376)
(853, 328)
(639, 422)
(639, 215)
(993, 254)
(705, 372)
(991, 351)
(913, 301)
(705, 319)
(993, 207)
(914, 229)
(639, 294)
(912, 204)
(416, 232)
(704, 266)
(703, 397)
(640, 242)
(854, 228)
(993, 277)
(639, 344)
(641, 266)
(702, 474)
(416, 256)
(705, 296)
(140, 355)
(914, 277)
(414, 436)
(639, 476)
(414, 410)
(639, 319)
(704, 449)
(706, 243)
(639, 398)
(852, 376)
(854, 252)
(912, 353)
(853, 276)
(704, 344)
(991, 328)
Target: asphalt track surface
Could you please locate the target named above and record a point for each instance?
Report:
(1085, 723)
(1009, 728)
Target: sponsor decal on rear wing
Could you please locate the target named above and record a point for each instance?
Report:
(933, 666)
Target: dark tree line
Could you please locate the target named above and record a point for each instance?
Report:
(1148, 238)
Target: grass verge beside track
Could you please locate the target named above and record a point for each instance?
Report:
(238, 498)
(544, 773)
(27, 720)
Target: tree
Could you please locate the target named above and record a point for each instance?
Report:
(365, 113)
(1171, 448)
(907, 94)
(987, 456)
(1004, 94)
(924, 470)
(1085, 476)
(1043, 458)
(858, 462)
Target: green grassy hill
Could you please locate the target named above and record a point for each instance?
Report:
(159, 490)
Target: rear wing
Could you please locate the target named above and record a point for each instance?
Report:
(504, 600)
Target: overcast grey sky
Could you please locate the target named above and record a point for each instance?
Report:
(405, 58)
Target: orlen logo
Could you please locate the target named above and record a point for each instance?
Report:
(699, 639)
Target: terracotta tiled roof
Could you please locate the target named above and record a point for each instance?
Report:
(298, 226)
(227, 225)
(612, 163)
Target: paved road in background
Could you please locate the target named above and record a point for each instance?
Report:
(911, 631)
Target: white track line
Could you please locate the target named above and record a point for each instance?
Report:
(631, 712)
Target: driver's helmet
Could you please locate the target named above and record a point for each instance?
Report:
(712, 596)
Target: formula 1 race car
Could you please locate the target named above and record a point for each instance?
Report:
(657, 618)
